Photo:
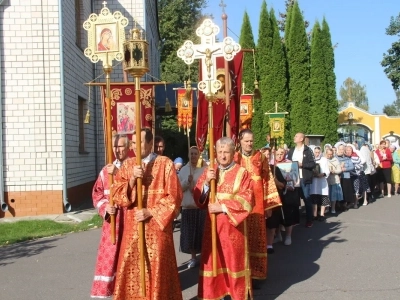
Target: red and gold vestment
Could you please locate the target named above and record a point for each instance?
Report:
(234, 191)
(107, 255)
(162, 196)
(266, 197)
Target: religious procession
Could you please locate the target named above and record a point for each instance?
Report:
(230, 200)
(230, 145)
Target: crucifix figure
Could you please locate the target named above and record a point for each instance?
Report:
(208, 60)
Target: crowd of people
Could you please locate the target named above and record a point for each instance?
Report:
(232, 211)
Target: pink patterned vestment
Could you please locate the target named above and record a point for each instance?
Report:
(107, 255)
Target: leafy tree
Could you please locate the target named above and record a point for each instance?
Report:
(178, 20)
(331, 135)
(264, 46)
(394, 108)
(176, 143)
(298, 58)
(391, 60)
(354, 92)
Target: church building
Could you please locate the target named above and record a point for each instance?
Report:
(50, 155)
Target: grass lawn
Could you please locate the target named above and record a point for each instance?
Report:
(20, 231)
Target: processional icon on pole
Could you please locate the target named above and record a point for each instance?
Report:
(105, 43)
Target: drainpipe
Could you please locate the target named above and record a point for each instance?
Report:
(67, 205)
(3, 204)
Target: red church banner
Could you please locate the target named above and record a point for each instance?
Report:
(246, 110)
(220, 111)
(123, 109)
(185, 108)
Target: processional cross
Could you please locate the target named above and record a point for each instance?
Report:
(208, 51)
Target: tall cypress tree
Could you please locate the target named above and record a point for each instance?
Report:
(299, 72)
(318, 84)
(331, 135)
(246, 41)
(263, 54)
(277, 81)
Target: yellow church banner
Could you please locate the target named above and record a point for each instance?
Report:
(277, 125)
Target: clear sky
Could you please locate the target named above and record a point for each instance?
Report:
(357, 26)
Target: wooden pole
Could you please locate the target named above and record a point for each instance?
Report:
(107, 69)
(139, 184)
(227, 79)
(212, 190)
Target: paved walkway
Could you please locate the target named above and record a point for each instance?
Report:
(352, 256)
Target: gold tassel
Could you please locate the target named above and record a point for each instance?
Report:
(87, 117)
(256, 93)
(167, 105)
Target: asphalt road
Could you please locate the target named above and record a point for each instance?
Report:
(352, 256)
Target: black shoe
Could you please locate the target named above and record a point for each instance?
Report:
(321, 219)
(315, 218)
(270, 250)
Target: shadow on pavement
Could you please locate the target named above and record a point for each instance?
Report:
(26, 249)
(290, 265)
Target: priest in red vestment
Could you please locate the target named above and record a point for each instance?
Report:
(162, 197)
(233, 204)
(107, 255)
(266, 197)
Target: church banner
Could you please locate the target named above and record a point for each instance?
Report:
(220, 111)
(277, 125)
(123, 109)
(185, 108)
(246, 110)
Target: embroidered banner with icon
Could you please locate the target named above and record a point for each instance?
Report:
(185, 108)
(222, 113)
(123, 108)
(277, 125)
(246, 110)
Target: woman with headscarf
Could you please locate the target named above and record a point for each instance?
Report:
(326, 147)
(178, 163)
(290, 196)
(355, 175)
(385, 168)
(345, 180)
(369, 171)
(335, 189)
(319, 187)
(192, 220)
(396, 169)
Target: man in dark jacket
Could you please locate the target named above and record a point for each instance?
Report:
(305, 158)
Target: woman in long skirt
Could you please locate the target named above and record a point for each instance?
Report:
(192, 220)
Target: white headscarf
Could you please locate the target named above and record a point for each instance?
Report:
(340, 143)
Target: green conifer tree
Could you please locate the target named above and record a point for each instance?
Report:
(298, 58)
(246, 41)
(318, 84)
(277, 81)
(331, 134)
(263, 54)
